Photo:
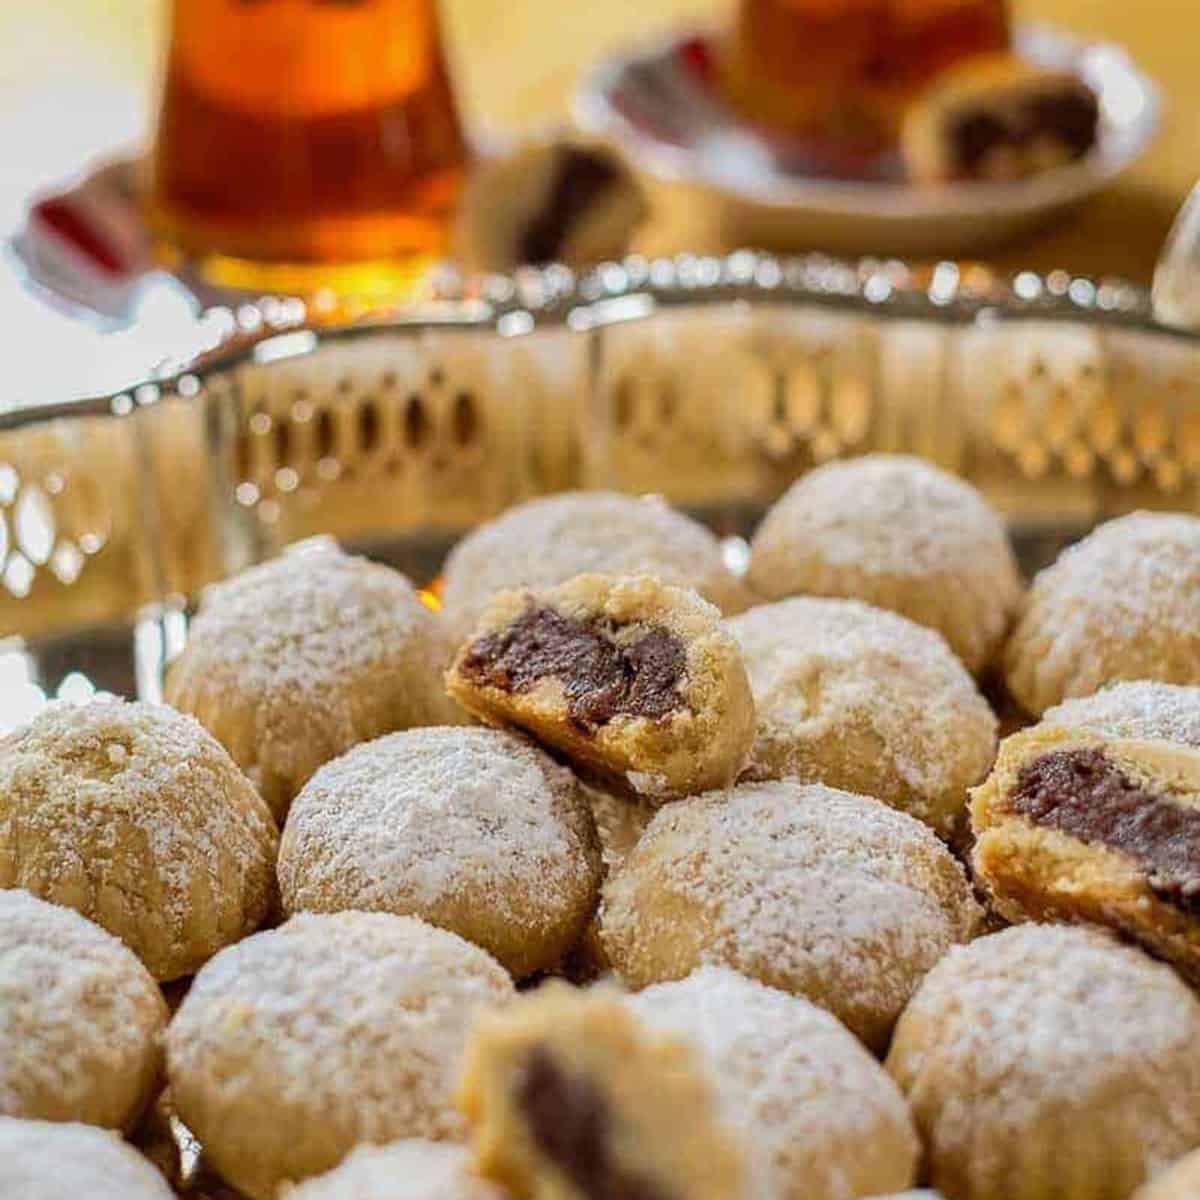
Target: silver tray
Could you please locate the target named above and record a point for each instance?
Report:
(714, 381)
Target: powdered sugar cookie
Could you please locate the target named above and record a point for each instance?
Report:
(862, 699)
(50, 1160)
(569, 1097)
(407, 1170)
(898, 533)
(297, 1044)
(474, 830)
(633, 680)
(547, 541)
(1143, 710)
(824, 1120)
(818, 892)
(291, 663)
(1050, 1061)
(80, 1018)
(1123, 604)
(134, 816)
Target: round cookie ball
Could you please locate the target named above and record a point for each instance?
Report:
(1049, 1061)
(474, 830)
(136, 817)
(50, 1160)
(898, 533)
(863, 699)
(1123, 604)
(293, 662)
(818, 892)
(408, 1170)
(826, 1121)
(297, 1044)
(80, 1018)
(547, 541)
(1142, 710)
(1181, 1181)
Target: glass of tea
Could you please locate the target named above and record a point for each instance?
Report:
(843, 71)
(306, 143)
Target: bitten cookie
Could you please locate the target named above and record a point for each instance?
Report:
(999, 118)
(1180, 1181)
(547, 541)
(407, 1170)
(862, 699)
(296, 1045)
(1122, 604)
(898, 533)
(473, 830)
(824, 1121)
(1049, 1061)
(1072, 826)
(80, 1018)
(1143, 710)
(570, 1098)
(632, 679)
(136, 817)
(817, 892)
(293, 662)
(50, 1160)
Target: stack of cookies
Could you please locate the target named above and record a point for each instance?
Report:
(622, 877)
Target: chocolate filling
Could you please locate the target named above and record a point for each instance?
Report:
(1069, 117)
(570, 1123)
(580, 178)
(601, 679)
(1083, 793)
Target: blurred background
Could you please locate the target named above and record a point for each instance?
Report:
(80, 77)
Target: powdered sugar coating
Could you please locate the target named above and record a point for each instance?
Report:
(408, 1170)
(80, 1018)
(297, 1044)
(547, 541)
(825, 1121)
(293, 662)
(1123, 604)
(136, 817)
(819, 892)
(49, 1160)
(865, 700)
(1049, 1060)
(475, 830)
(898, 533)
(1180, 1181)
(1141, 710)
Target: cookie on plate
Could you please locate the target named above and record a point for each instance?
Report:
(474, 830)
(898, 533)
(547, 541)
(80, 1018)
(569, 1097)
(627, 677)
(1049, 1061)
(296, 1045)
(821, 893)
(824, 1119)
(1073, 826)
(137, 818)
(1123, 604)
(865, 700)
(291, 663)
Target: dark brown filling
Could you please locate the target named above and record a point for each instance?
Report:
(581, 177)
(601, 679)
(570, 1123)
(1069, 117)
(1084, 794)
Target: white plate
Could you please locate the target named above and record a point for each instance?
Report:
(659, 103)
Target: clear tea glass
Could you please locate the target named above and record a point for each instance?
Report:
(306, 142)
